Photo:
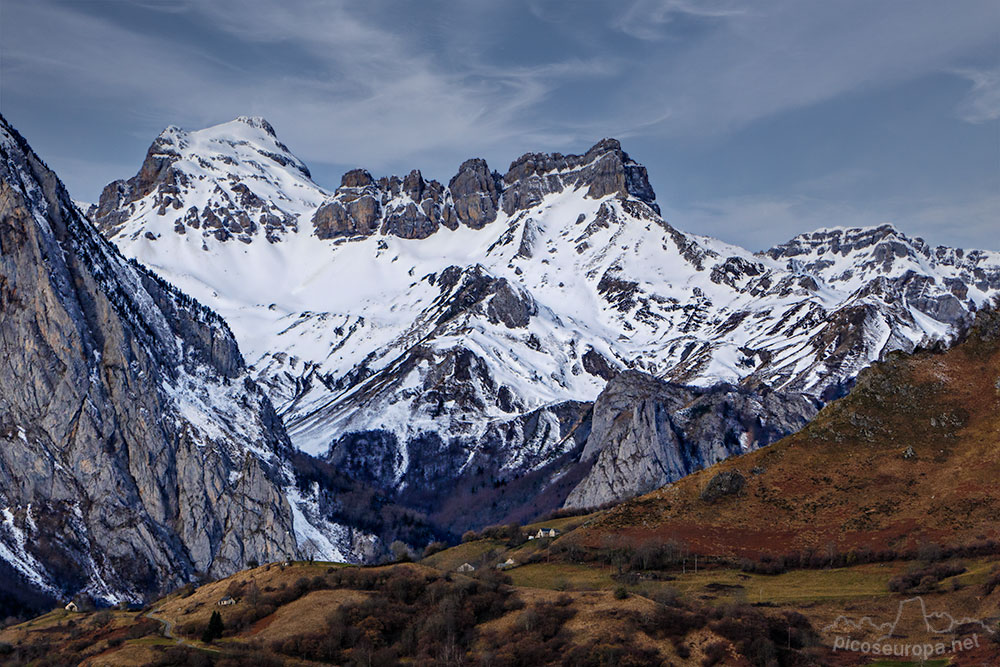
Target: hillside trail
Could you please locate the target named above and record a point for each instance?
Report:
(168, 632)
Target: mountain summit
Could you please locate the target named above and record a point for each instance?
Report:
(230, 181)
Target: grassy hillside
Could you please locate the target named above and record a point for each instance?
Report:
(908, 459)
(399, 614)
(540, 613)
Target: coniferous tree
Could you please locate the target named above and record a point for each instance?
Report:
(214, 629)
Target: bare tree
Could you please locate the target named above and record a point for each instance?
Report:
(310, 549)
(253, 594)
(400, 551)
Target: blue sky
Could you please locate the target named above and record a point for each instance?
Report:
(757, 120)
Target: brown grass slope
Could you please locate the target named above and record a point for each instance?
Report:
(846, 481)
(318, 613)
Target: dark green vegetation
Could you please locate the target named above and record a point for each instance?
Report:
(214, 629)
(355, 503)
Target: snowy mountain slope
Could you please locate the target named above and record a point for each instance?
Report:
(234, 180)
(408, 317)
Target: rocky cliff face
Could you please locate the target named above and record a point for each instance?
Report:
(647, 433)
(400, 322)
(411, 207)
(135, 450)
(414, 208)
(603, 170)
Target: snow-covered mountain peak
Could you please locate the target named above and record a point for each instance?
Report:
(851, 258)
(545, 163)
(246, 138)
(234, 180)
(841, 241)
(237, 181)
(257, 122)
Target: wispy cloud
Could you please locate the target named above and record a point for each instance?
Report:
(650, 19)
(383, 94)
(787, 55)
(355, 93)
(390, 85)
(356, 89)
(982, 104)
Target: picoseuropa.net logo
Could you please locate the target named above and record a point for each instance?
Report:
(915, 632)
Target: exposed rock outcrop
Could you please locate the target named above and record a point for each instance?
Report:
(597, 364)
(135, 450)
(726, 483)
(475, 192)
(410, 208)
(415, 208)
(604, 170)
(475, 291)
(647, 433)
(355, 210)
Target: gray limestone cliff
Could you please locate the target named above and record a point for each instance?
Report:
(647, 432)
(135, 450)
(604, 170)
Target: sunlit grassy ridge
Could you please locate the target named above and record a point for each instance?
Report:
(909, 457)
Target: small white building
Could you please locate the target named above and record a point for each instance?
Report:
(226, 601)
(507, 564)
(545, 532)
(71, 607)
(466, 568)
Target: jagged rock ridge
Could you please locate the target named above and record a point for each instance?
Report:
(411, 207)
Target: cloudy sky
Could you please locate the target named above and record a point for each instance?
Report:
(757, 120)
